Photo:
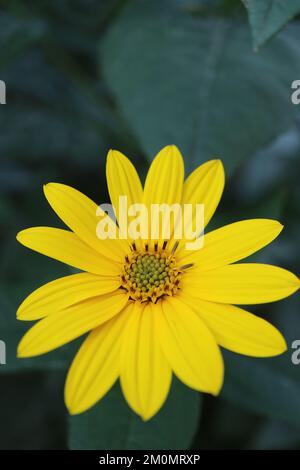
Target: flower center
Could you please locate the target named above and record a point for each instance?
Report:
(149, 276)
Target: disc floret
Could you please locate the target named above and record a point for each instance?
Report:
(149, 276)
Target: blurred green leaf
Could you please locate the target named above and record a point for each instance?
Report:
(52, 115)
(274, 434)
(112, 425)
(58, 108)
(47, 134)
(224, 425)
(76, 24)
(20, 274)
(266, 386)
(69, 126)
(269, 16)
(271, 168)
(16, 35)
(33, 411)
(195, 82)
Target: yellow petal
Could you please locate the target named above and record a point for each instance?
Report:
(80, 214)
(238, 330)
(145, 372)
(122, 180)
(96, 366)
(164, 183)
(63, 292)
(165, 177)
(232, 243)
(189, 346)
(66, 247)
(251, 283)
(64, 326)
(205, 186)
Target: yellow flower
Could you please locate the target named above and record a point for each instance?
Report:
(142, 332)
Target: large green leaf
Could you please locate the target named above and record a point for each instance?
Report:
(269, 16)
(112, 425)
(196, 82)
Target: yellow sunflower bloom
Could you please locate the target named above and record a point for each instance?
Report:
(152, 308)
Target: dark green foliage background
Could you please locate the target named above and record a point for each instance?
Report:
(211, 76)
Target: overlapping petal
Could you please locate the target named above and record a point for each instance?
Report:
(145, 372)
(205, 186)
(70, 323)
(66, 247)
(232, 243)
(251, 283)
(63, 292)
(96, 366)
(125, 190)
(82, 215)
(238, 330)
(164, 181)
(122, 180)
(164, 185)
(189, 346)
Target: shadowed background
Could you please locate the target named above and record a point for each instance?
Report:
(213, 77)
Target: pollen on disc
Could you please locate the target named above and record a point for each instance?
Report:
(149, 276)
